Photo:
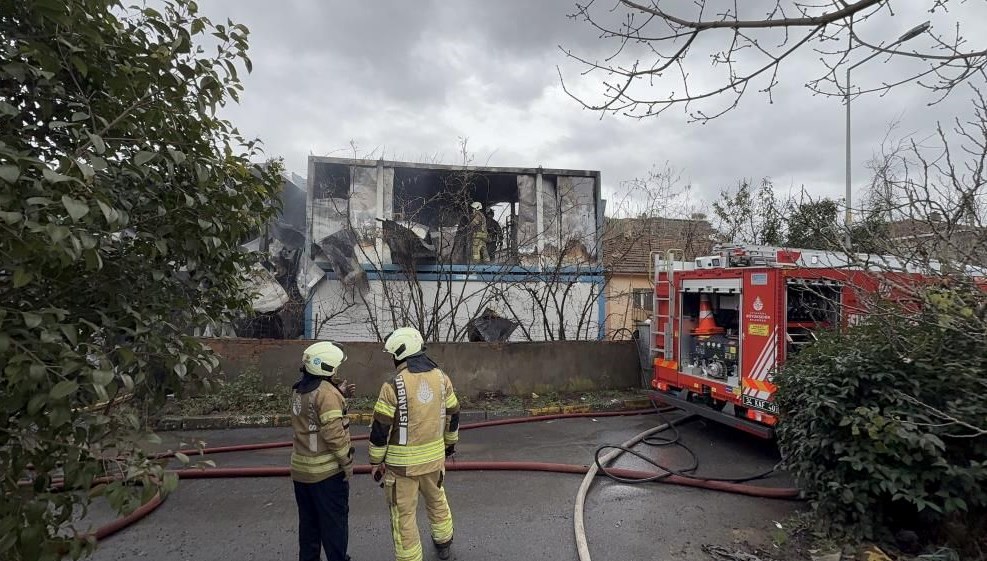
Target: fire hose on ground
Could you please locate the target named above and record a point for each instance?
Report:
(598, 468)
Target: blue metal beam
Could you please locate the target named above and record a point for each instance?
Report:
(474, 269)
(500, 275)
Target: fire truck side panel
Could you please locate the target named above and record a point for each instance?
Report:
(716, 347)
(762, 331)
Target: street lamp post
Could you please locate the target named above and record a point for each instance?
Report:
(906, 36)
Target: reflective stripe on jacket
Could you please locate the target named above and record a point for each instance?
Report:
(478, 226)
(417, 410)
(321, 444)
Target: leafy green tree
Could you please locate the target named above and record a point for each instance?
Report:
(756, 216)
(812, 224)
(124, 198)
(872, 234)
(749, 214)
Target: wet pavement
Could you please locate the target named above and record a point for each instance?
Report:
(498, 515)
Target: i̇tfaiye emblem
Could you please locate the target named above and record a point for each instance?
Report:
(425, 393)
(758, 304)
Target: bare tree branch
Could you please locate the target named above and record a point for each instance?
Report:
(813, 21)
(659, 59)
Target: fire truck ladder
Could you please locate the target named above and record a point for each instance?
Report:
(748, 255)
(665, 320)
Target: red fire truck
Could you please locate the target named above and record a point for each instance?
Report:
(723, 323)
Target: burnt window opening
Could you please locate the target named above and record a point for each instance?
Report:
(441, 198)
(330, 181)
(439, 201)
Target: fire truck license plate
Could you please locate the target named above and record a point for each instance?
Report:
(762, 404)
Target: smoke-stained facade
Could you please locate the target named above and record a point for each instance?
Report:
(394, 225)
(536, 217)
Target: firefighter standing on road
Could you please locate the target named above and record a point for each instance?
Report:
(415, 428)
(478, 234)
(322, 458)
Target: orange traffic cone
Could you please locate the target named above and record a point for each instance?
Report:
(707, 325)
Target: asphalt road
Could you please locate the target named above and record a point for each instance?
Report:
(498, 515)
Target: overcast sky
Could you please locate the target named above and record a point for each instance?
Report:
(406, 79)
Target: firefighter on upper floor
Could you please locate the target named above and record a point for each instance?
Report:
(493, 234)
(415, 428)
(477, 229)
(322, 458)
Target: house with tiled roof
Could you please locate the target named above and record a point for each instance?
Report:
(628, 248)
(934, 238)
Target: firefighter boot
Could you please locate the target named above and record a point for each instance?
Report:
(444, 550)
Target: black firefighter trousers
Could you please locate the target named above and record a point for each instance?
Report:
(323, 518)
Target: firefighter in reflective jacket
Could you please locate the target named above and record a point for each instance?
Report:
(477, 228)
(415, 427)
(322, 458)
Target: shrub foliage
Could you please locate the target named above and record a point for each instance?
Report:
(124, 199)
(883, 425)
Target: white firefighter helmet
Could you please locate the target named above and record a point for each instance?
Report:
(475, 205)
(322, 359)
(404, 342)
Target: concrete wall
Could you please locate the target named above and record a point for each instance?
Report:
(514, 369)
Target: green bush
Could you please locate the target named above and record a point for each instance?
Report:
(245, 394)
(882, 426)
(125, 196)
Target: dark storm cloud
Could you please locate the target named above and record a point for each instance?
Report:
(343, 47)
(406, 79)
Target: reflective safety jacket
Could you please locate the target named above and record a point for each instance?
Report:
(415, 419)
(322, 436)
(478, 226)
